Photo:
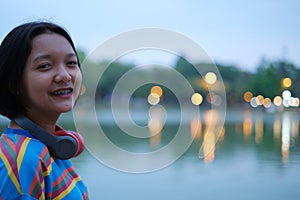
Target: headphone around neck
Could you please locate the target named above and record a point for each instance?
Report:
(62, 144)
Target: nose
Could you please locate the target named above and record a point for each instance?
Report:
(62, 74)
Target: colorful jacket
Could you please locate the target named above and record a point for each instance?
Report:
(28, 171)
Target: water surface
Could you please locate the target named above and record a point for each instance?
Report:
(257, 157)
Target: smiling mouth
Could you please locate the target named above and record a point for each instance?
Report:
(62, 92)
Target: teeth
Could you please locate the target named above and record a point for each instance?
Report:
(62, 92)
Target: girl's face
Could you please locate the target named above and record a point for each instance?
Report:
(52, 79)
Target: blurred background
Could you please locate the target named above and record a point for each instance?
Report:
(255, 46)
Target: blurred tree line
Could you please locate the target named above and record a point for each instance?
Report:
(265, 80)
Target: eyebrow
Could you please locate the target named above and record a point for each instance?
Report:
(47, 56)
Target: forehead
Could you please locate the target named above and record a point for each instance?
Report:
(50, 42)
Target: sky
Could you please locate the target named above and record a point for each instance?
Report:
(232, 32)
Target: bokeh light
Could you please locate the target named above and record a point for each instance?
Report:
(214, 99)
(286, 94)
(277, 101)
(210, 78)
(259, 100)
(248, 96)
(82, 89)
(267, 102)
(157, 90)
(153, 99)
(197, 99)
(253, 102)
(286, 82)
(284, 100)
(293, 101)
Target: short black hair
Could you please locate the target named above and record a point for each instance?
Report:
(14, 51)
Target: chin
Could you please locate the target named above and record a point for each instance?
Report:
(66, 109)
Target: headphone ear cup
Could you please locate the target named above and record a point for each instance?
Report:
(75, 136)
(62, 144)
(79, 139)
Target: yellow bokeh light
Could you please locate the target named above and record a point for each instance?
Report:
(286, 82)
(277, 101)
(267, 102)
(157, 90)
(296, 102)
(211, 78)
(197, 99)
(259, 100)
(247, 127)
(196, 128)
(248, 96)
(82, 89)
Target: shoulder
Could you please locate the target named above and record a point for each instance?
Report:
(25, 154)
(21, 147)
(25, 163)
(21, 143)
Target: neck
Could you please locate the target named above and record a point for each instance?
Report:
(14, 125)
(44, 121)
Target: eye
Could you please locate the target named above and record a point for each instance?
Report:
(72, 63)
(44, 66)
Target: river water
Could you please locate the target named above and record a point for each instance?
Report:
(256, 156)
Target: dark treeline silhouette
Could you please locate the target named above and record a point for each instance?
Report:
(265, 80)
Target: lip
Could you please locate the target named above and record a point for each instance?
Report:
(62, 92)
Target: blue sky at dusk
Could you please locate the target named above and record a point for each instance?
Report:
(231, 32)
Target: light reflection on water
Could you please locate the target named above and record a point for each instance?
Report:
(257, 156)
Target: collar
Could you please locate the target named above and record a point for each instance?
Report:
(18, 132)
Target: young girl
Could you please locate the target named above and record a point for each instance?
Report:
(40, 78)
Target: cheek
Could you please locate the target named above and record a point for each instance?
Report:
(26, 87)
(32, 91)
(28, 96)
(33, 87)
(77, 83)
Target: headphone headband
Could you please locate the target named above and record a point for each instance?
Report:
(34, 129)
